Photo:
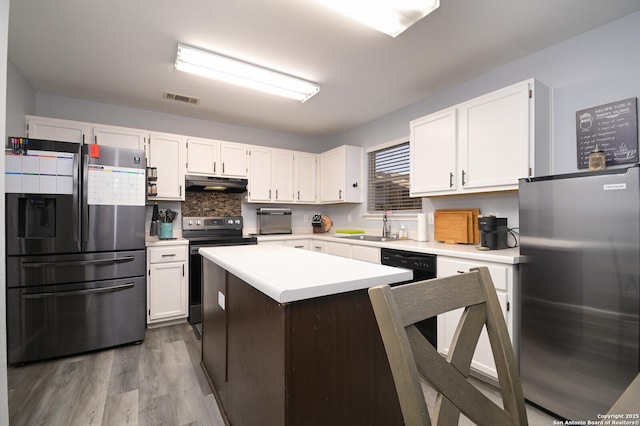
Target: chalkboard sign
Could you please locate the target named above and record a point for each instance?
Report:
(612, 128)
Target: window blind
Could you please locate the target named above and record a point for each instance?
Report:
(388, 187)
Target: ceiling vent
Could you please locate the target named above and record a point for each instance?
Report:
(181, 98)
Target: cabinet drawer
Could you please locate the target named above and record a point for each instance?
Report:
(167, 254)
(499, 273)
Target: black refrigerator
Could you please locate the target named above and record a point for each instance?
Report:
(580, 242)
(75, 267)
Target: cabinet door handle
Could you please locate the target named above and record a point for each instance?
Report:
(340, 194)
(463, 182)
(214, 167)
(276, 194)
(298, 195)
(450, 179)
(223, 167)
(269, 194)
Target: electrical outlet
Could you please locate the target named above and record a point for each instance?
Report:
(430, 218)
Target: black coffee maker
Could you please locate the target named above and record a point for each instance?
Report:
(493, 232)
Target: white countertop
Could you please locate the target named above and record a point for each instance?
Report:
(287, 274)
(466, 251)
(155, 241)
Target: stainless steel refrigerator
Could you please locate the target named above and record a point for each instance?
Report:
(75, 248)
(580, 238)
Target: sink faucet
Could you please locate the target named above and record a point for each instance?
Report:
(386, 231)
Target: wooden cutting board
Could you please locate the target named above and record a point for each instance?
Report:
(457, 226)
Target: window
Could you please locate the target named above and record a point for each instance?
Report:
(389, 180)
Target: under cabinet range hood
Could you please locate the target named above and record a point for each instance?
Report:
(215, 184)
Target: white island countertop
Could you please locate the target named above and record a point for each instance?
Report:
(287, 274)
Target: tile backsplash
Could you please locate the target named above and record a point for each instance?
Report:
(212, 204)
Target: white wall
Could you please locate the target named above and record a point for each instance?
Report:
(594, 68)
(21, 101)
(94, 112)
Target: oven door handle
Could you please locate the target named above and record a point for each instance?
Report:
(77, 262)
(77, 292)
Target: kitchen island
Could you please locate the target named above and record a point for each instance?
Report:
(289, 338)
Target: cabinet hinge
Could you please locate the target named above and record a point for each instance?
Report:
(28, 130)
(530, 172)
(530, 94)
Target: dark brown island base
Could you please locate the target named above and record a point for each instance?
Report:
(318, 361)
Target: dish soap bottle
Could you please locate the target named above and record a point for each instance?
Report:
(402, 234)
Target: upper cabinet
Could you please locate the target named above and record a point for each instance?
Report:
(58, 130)
(433, 147)
(341, 178)
(305, 181)
(209, 157)
(271, 177)
(120, 137)
(166, 154)
(485, 144)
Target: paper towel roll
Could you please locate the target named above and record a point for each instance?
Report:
(422, 227)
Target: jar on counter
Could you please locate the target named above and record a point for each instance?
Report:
(597, 160)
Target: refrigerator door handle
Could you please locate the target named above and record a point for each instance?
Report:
(77, 262)
(85, 206)
(76, 209)
(77, 292)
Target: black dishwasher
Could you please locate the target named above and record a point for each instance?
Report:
(423, 266)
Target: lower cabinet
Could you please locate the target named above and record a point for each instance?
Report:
(339, 249)
(167, 277)
(365, 253)
(299, 244)
(317, 245)
(504, 277)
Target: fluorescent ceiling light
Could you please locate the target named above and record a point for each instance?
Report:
(233, 71)
(387, 16)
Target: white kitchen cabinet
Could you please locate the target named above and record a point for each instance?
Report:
(299, 244)
(504, 279)
(365, 253)
(317, 245)
(208, 157)
(259, 175)
(341, 175)
(202, 157)
(234, 160)
(339, 249)
(499, 138)
(305, 177)
(166, 154)
(271, 175)
(120, 137)
(58, 130)
(167, 275)
(433, 157)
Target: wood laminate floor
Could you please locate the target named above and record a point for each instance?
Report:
(159, 382)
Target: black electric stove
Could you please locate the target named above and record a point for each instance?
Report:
(208, 232)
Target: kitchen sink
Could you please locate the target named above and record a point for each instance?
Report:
(369, 238)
